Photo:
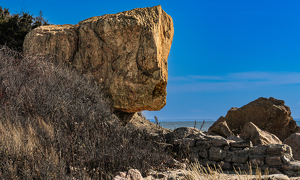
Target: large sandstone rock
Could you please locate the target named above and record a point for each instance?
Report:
(257, 136)
(270, 115)
(126, 53)
(294, 142)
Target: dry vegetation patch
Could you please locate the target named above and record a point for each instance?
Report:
(55, 124)
(196, 171)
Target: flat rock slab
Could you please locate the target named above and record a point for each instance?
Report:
(241, 144)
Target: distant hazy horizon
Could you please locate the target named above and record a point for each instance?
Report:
(153, 120)
(173, 124)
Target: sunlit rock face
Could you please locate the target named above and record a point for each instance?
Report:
(126, 53)
(268, 114)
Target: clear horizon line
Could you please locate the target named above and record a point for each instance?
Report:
(193, 119)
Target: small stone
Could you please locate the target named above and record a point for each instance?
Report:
(216, 154)
(134, 174)
(204, 144)
(186, 142)
(239, 159)
(225, 165)
(241, 144)
(219, 142)
(259, 150)
(229, 156)
(235, 149)
(184, 132)
(119, 178)
(210, 140)
(285, 159)
(274, 177)
(203, 153)
(274, 171)
(277, 149)
(273, 161)
(257, 160)
(244, 152)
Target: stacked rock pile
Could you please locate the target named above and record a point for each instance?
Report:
(234, 153)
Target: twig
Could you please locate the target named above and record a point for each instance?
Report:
(202, 124)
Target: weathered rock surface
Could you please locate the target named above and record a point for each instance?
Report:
(139, 122)
(234, 138)
(222, 129)
(257, 136)
(131, 174)
(182, 132)
(166, 175)
(233, 153)
(270, 115)
(126, 53)
(292, 169)
(186, 132)
(294, 166)
(294, 142)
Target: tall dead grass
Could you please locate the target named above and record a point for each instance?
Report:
(24, 157)
(196, 171)
(55, 124)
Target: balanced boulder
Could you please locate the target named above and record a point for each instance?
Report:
(270, 115)
(126, 53)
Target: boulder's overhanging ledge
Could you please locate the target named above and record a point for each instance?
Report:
(125, 52)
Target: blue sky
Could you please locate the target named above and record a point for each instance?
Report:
(225, 53)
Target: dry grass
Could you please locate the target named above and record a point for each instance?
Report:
(24, 157)
(196, 171)
(55, 124)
